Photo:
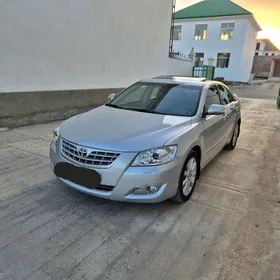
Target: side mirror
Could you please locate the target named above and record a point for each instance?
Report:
(215, 110)
(111, 96)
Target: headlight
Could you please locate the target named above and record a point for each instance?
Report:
(155, 156)
(56, 135)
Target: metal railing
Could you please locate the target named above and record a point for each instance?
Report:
(205, 71)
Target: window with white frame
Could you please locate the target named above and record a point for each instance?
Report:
(200, 32)
(223, 60)
(199, 59)
(227, 31)
(177, 32)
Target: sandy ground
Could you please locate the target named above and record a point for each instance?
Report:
(229, 230)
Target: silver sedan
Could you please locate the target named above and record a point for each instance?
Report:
(150, 142)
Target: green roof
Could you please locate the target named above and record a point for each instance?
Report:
(211, 8)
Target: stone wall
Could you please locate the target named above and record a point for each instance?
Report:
(26, 108)
(262, 65)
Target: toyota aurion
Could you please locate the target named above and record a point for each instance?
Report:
(149, 142)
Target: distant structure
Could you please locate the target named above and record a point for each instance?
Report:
(267, 60)
(218, 29)
(265, 47)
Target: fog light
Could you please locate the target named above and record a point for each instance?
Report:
(144, 190)
(152, 189)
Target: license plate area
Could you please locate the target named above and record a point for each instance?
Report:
(82, 176)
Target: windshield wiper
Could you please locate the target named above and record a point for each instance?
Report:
(159, 113)
(114, 106)
(127, 108)
(143, 110)
(134, 109)
(137, 109)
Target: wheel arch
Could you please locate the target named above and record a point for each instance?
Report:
(239, 123)
(197, 149)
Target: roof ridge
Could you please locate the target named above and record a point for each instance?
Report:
(211, 8)
(238, 6)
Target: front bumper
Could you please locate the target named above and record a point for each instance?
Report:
(125, 179)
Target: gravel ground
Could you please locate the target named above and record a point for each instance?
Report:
(229, 230)
(268, 91)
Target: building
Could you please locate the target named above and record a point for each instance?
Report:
(265, 47)
(221, 31)
(70, 45)
(265, 64)
(50, 45)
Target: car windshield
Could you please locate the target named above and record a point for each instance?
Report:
(166, 99)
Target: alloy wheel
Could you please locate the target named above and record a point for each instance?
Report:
(189, 177)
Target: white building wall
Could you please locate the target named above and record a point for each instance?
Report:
(238, 70)
(70, 44)
(248, 52)
(262, 45)
(179, 67)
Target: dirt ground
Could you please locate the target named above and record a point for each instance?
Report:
(229, 230)
(267, 91)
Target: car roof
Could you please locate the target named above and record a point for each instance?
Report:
(176, 79)
(180, 78)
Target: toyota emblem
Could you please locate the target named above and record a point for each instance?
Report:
(82, 152)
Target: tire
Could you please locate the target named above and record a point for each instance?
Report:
(232, 144)
(184, 194)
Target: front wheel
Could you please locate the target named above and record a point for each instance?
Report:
(188, 178)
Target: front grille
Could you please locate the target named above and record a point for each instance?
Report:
(105, 188)
(87, 156)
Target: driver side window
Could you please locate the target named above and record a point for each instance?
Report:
(226, 96)
(212, 97)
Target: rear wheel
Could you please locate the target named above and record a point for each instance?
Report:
(188, 178)
(234, 138)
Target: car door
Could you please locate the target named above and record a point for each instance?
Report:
(213, 126)
(231, 110)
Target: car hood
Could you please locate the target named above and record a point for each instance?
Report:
(122, 130)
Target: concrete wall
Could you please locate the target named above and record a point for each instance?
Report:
(52, 51)
(261, 65)
(241, 46)
(274, 74)
(85, 44)
(268, 53)
(25, 108)
(179, 67)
